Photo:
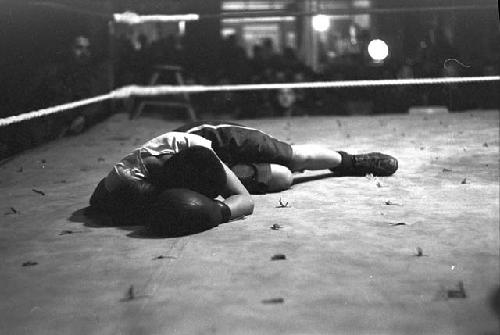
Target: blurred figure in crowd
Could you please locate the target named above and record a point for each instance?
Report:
(234, 57)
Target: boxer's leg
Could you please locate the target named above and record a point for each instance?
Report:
(261, 178)
(313, 157)
(316, 157)
(259, 160)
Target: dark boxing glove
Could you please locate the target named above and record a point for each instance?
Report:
(126, 204)
(181, 211)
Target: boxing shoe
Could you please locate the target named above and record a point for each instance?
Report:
(376, 163)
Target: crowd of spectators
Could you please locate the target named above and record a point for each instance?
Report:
(266, 65)
(79, 75)
(75, 75)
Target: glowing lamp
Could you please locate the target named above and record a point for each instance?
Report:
(378, 50)
(321, 23)
(133, 18)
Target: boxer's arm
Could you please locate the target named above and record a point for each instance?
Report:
(236, 196)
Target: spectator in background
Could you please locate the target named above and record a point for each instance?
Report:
(76, 80)
(283, 100)
(290, 61)
(269, 56)
(71, 79)
(67, 80)
(81, 50)
(77, 72)
(256, 62)
(235, 60)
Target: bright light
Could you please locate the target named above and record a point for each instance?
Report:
(259, 19)
(182, 27)
(378, 50)
(253, 5)
(228, 32)
(133, 18)
(321, 22)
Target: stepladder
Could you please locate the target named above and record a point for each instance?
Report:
(165, 75)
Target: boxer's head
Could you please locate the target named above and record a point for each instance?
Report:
(196, 168)
(128, 200)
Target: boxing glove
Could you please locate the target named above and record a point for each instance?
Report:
(127, 202)
(181, 211)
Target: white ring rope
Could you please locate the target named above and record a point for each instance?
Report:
(169, 89)
(53, 110)
(133, 90)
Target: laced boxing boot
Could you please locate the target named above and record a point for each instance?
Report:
(375, 163)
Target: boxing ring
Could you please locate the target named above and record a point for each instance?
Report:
(415, 253)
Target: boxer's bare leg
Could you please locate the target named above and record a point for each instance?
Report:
(313, 157)
(263, 177)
